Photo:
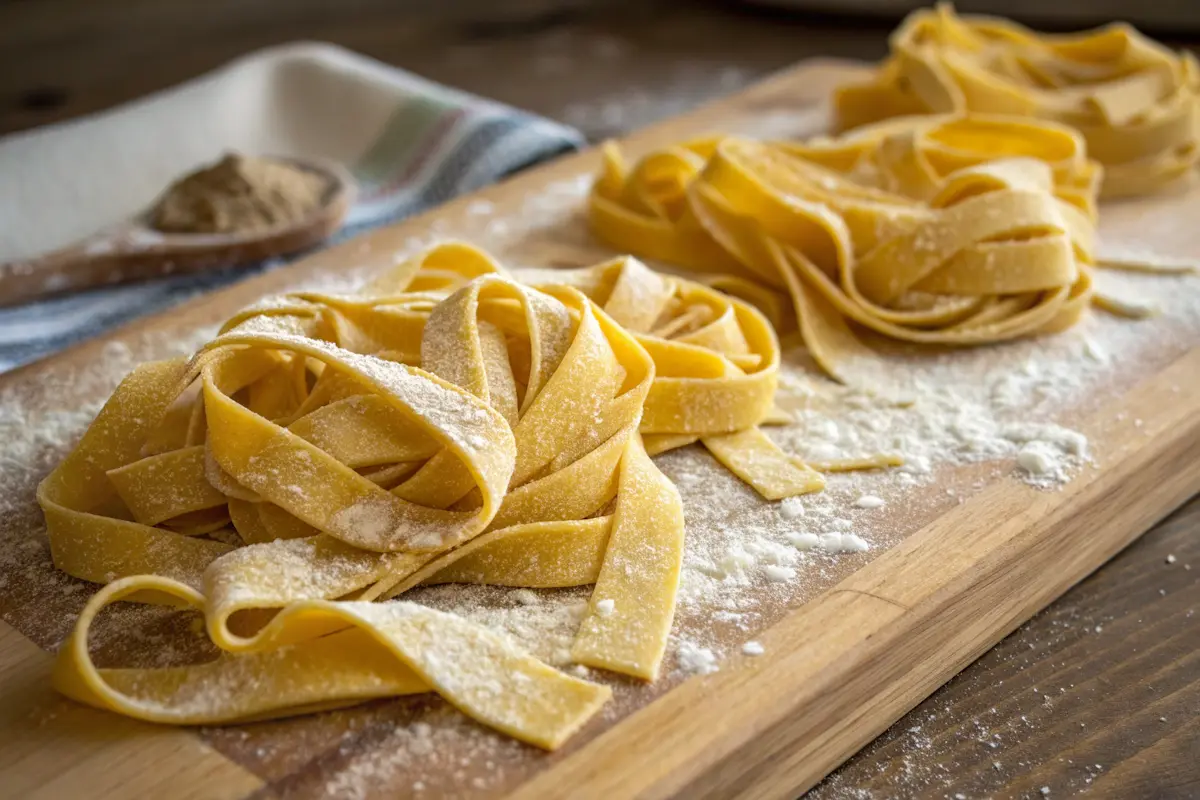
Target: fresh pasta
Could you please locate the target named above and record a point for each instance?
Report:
(447, 423)
(325, 451)
(716, 365)
(1135, 102)
(451, 423)
(954, 230)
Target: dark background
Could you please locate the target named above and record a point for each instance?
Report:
(62, 58)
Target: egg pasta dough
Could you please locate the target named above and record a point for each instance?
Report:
(446, 424)
(951, 230)
(1135, 102)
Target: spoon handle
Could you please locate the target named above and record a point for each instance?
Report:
(101, 261)
(109, 260)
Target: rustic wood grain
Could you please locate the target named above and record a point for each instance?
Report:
(1099, 693)
(1140, 663)
(869, 648)
(52, 748)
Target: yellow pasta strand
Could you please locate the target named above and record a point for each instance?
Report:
(381, 650)
(716, 367)
(639, 575)
(446, 424)
(1136, 103)
(914, 228)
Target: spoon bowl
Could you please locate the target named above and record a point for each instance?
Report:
(134, 250)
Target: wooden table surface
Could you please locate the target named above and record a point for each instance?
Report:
(1100, 693)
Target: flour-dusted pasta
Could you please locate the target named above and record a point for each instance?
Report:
(717, 364)
(1135, 102)
(953, 230)
(446, 424)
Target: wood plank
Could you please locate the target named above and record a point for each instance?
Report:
(938, 613)
(1098, 694)
(51, 748)
(846, 665)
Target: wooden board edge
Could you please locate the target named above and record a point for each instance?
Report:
(808, 93)
(846, 665)
(51, 747)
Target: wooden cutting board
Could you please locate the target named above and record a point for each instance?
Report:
(880, 634)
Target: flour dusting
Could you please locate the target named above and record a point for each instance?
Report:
(1010, 412)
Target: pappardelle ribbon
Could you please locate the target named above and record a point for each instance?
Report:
(324, 451)
(716, 367)
(954, 230)
(1135, 102)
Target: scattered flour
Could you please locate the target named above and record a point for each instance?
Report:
(1040, 461)
(804, 541)
(526, 597)
(777, 573)
(696, 660)
(975, 413)
(791, 508)
(853, 543)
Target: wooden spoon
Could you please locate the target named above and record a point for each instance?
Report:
(134, 250)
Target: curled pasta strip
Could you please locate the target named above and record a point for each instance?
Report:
(324, 451)
(369, 650)
(912, 228)
(716, 368)
(1135, 102)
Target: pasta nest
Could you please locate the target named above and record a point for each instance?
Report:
(952, 230)
(1135, 102)
(445, 424)
(448, 424)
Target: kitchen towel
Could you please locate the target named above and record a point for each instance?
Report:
(409, 143)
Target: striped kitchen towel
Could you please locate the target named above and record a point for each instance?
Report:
(409, 143)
